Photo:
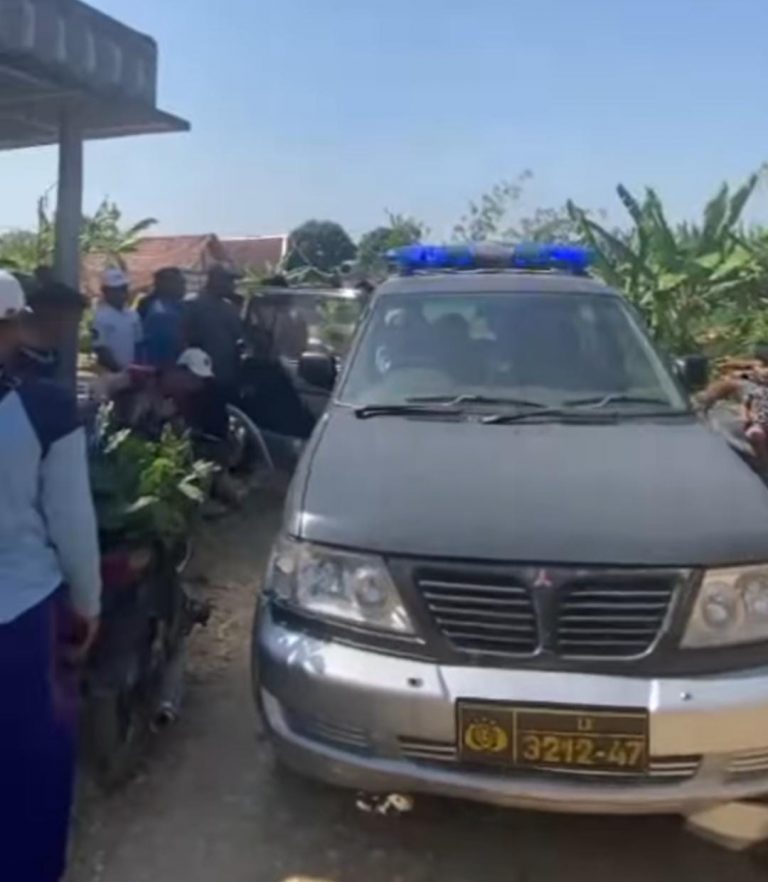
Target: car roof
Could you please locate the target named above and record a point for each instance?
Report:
(492, 282)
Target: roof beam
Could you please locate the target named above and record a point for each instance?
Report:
(33, 122)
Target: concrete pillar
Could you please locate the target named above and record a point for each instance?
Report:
(69, 216)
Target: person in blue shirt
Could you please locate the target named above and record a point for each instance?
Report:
(50, 591)
(160, 313)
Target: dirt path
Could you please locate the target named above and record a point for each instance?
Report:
(210, 807)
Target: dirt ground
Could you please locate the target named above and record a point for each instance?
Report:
(210, 806)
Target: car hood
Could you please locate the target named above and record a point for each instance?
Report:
(637, 492)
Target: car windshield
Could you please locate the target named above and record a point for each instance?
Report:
(555, 350)
(288, 326)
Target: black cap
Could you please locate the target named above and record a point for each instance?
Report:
(220, 271)
(56, 294)
(167, 272)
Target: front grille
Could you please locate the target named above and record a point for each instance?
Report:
(616, 619)
(608, 616)
(332, 733)
(751, 764)
(482, 617)
(423, 750)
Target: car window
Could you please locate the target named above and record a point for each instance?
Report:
(547, 347)
(287, 329)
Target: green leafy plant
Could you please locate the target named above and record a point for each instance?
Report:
(686, 279)
(146, 489)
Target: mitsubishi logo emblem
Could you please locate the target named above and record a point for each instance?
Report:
(542, 580)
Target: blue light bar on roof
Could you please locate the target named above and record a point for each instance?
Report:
(534, 255)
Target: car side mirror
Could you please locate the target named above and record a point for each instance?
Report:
(318, 369)
(693, 371)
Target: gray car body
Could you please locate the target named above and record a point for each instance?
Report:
(378, 712)
(650, 492)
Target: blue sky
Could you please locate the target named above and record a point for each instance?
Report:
(345, 108)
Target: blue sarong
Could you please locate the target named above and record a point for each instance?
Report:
(38, 714)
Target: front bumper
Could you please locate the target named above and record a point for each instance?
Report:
(369, 721)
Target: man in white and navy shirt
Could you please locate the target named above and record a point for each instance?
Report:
(116, 331)
(49, 575)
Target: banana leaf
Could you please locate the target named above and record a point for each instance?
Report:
(668, 249)
(739, 201)
(715, 216)
(631, 204)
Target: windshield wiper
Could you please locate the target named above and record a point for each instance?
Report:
(476, 399)
(595, 402)
(367, 411)
(556, 413)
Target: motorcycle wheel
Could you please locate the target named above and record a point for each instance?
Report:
(246, 448)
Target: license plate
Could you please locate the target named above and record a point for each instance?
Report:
(557, 738)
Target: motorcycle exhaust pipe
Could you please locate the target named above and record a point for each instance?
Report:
(165, 716)
(171, 691)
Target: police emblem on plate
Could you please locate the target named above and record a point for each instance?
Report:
(485, 735)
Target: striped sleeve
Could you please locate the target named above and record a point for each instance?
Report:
(65, 492)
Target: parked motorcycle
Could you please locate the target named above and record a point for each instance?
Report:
(134, 676)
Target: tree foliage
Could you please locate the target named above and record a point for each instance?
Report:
(499, 215)
(400, 230)
(320, 245)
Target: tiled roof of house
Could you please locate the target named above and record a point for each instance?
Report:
(260, 253)
(192, 254)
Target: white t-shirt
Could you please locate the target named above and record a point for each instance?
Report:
(118, 330)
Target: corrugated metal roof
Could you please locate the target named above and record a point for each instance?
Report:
(57, 53)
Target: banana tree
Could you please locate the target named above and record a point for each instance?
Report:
(102, 232)
(23, 250)
(679, 276)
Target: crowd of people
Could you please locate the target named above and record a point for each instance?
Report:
(190, 347)
(164, 323)
(49, 544)
(49, 549)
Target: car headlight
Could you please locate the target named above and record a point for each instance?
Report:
(337, 585)
(732, 607)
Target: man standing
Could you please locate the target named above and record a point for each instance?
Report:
(54, 315)
(160, 315)
(117, 332)
(49, 575)
(213, 324)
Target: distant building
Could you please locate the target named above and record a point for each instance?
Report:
(257, 254)
(193, 255)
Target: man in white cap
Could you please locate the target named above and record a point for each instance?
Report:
(197, 396)
(50, 587)
(116, 330)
